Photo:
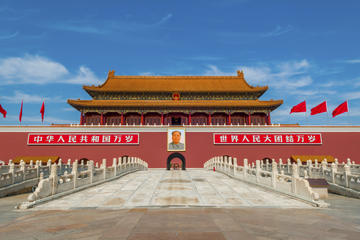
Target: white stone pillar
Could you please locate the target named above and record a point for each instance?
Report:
(245, 168)
(348, 162)
(22, 169)
(295, 176)
(288, 166)
(274, 174)
(229, 166)
(68, 164)
(91, 170)
(323, 168)
(103, 166)
(53, 179)
(75, 173)
(333, 171)
(346, 174)
(12, 171)
(115, 166)
(235, 166)
(60, 166)
(258, 171)
(225, 161)
(37, 167)
(221, 164)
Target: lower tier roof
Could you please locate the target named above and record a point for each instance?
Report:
(80, 104)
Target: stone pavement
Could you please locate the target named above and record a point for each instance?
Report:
(340, 221)
(156, 188)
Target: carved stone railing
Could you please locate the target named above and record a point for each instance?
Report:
(14, 178)
(343, 178)
(55, 185)
(293, 185)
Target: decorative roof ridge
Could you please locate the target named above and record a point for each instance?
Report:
(169, 100)
(111, 75)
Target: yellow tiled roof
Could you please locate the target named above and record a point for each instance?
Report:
(175, 84)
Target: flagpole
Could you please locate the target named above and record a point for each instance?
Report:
(306, 117)
(327, 112)
(44, 113)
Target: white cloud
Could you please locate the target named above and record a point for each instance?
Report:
(215, 71)
(69, 109)
(8, 36)
(165, 19)
(147, 74)
(84, 76)
(256, 75)
(353, 61)
(312, 92)
(354, 112)
(285, 75)
(33, 69)
(28, 98)
(352, 95)
(279, 30)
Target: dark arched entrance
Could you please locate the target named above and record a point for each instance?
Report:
(175, 155)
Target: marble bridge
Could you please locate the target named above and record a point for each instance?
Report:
(176, 188)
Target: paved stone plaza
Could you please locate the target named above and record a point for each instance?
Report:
(251, 213)
(157, 188)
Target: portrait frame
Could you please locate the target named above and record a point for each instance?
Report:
(169, 140)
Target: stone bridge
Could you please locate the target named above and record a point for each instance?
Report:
(159, 188)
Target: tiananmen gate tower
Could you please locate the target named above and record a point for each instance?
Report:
(191, 118)
(175, 100)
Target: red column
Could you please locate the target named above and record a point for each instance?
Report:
(142, 119)
(249, 118)
(122, 118)
(102, 119)
(209, 120)
(162, 118)
(81, 119)
(189, 118)
(268, 119)
(229, 119)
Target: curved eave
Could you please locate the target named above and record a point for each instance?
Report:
(80, 104)
(91, 90)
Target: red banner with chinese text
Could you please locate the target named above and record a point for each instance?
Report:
(267, 138)
(83, 138)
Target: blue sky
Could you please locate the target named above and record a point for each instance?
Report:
(300, 49)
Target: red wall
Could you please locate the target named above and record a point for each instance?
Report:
(199, 148)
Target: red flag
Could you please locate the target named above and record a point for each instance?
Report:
(20, 114)
(3, 111)
(341, 109)
(301, 107)
(42, 111)
(322, 107)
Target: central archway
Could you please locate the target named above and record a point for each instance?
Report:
(175, 155)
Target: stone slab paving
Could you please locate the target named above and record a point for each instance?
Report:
(158, 188)
(180, 224)
(340, 221)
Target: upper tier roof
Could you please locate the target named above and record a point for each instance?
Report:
(175, 84)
